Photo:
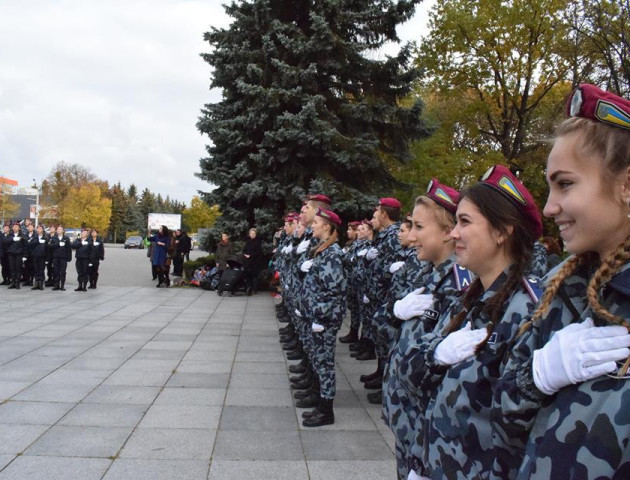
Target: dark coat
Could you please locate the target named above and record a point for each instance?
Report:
(58, 250)
(159, 253)
(41, 248)
(98, 250)
(82, 250)
(253, 248)
(222, 254)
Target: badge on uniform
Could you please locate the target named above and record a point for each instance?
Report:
(463, 278)
(533, 288)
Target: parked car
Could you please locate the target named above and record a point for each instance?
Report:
(134, 242)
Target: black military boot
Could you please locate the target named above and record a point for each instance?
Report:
(368, 353)
(36, 287)
(62, 284)
(49, 283)
(309, 401)
(322, 415)
(359, 347)
(17, 284)
(79, 288)
(352, 337)
(56, 286)
(305, 383)
(41, 285)
(12, 286)
(296, 355)
(377, 374)
(299, 367)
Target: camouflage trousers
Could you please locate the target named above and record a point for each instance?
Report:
(324, 344)
(366, 312)
(353, 306)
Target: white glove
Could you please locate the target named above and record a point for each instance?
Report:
(361, 253)
(288, 249)
(414, 476)
(394, 267)
(90, 265)
(306, 266)
(24, 259)
(366, 300)
(303, 246)
(577, 353)
(372, 253)
(459, 346)
(298, 313)
(317, 328)
(413, 305)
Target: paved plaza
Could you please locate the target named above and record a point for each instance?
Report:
(145, 383)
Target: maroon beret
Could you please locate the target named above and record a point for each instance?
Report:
(501, 179)
(291, 216)
(389, 202)
(328, 215)
(318, 197)
(354, 223)
(445, 196)
(589, 101)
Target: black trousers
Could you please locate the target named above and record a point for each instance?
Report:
(6, 267)
(59, 269)
(15, 264)
(39, 264)
(81, 265)
(28, 269)
(178, 264)
(93, 271)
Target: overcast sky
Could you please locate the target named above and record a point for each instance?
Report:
(116, 86)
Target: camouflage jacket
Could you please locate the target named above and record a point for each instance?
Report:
(538, 265)
(350, 260)
(456, 439)
(377, 274)
(360, 272)
(441, 282)
(323, 292)
(582, 431)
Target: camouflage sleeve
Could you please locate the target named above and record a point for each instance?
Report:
(515, 405)
(329, 286)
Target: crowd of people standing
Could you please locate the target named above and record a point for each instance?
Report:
(488, 363)
(36, 257)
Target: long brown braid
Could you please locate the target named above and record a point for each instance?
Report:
(320, 247)
(609, 267)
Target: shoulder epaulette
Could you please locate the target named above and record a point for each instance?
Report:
(533, 287)
(462, 277)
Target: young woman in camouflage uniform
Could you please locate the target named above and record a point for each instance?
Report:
(562, 411)
(353, 245)
(458, 364)
(324, 304)
(415, 313)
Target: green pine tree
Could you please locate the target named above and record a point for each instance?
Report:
(305, 108)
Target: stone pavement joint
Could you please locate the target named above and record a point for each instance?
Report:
(138, 383)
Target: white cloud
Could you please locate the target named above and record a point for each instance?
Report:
(116, 86)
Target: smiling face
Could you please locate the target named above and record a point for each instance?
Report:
(590, 209)
(429, 237)
(478, 246)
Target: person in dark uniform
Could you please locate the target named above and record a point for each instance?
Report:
(97, 255)
(49, 259)
(39, 253)
(61, 254)
(82, 259)
(253, 257)
(178, 256)
(4, 256)
(15, 246)
(31, 239)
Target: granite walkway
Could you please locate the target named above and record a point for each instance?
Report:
(140, 383)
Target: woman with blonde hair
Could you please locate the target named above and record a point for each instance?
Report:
(561, 410)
